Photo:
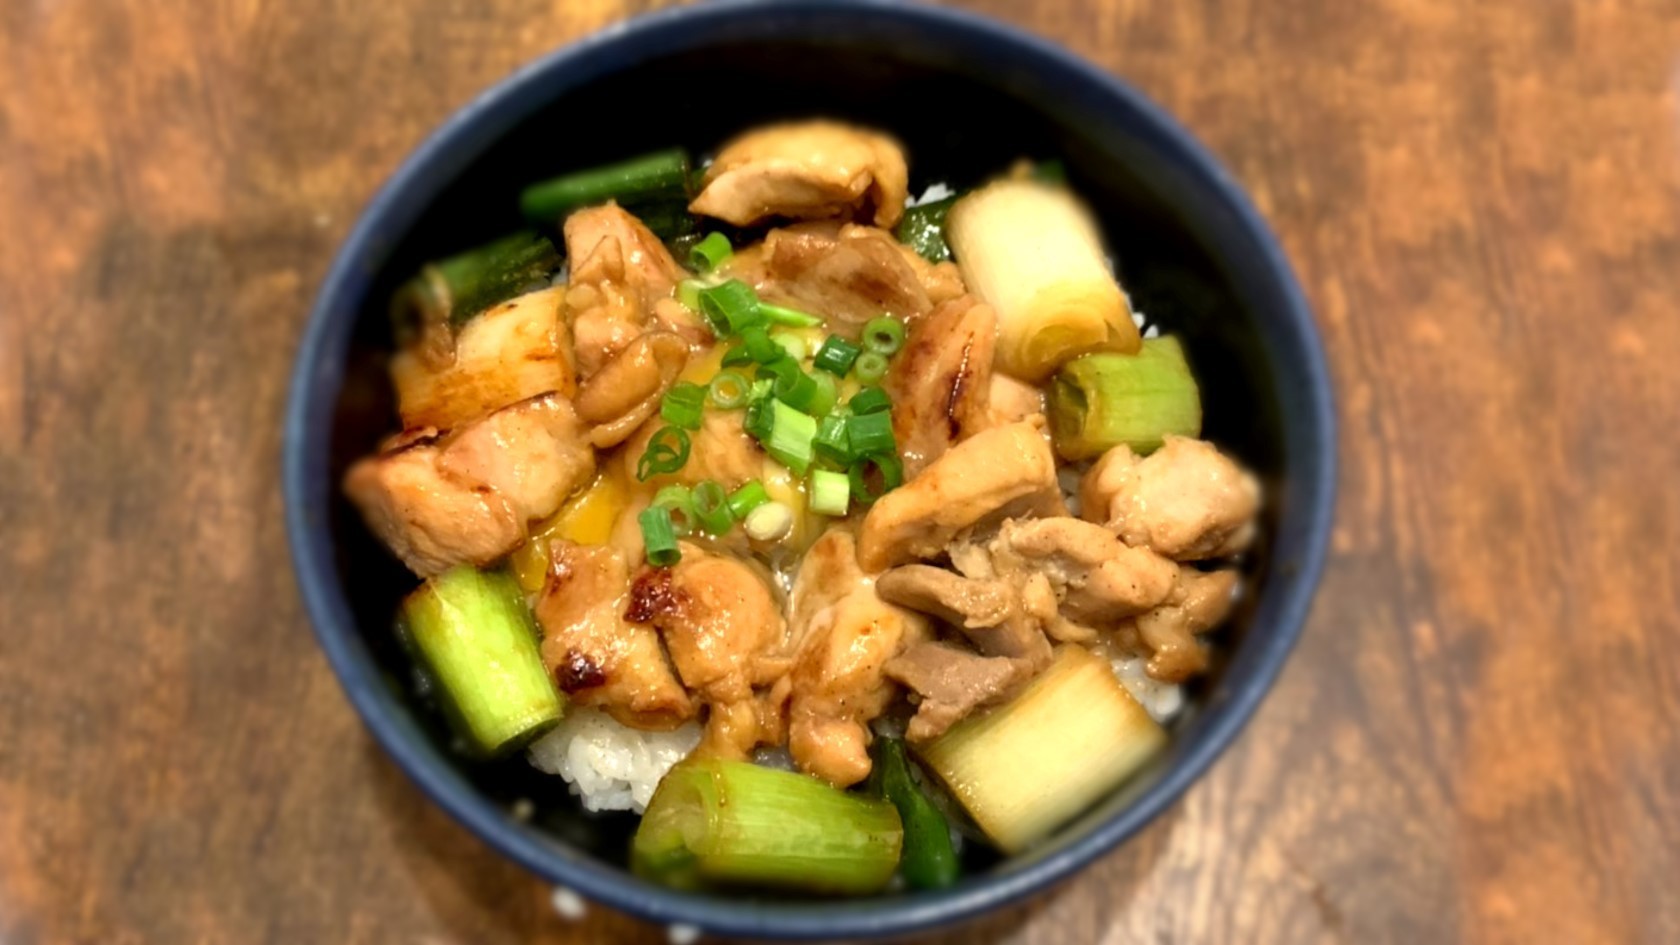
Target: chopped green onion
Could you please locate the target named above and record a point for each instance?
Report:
(871, 367)
(730, 307)
(710, 253)
(883, 336)
(661, 174)
(750, 496)
(679, 502)
(472, 631)
(828, 393)
(682, 404)
(688, 293)
(711, 507)
(787, 317)
(759, 347)
(774, 369)
(728, 390)
(659, 536)
(771, 521)
(832, 442)
(870, 400)
(760, 418)
(760, 390)
(887, 466)
(830, 492)
(793, 345)
(791, 435)
(797, 389)
(737, 356)
(667, 451)
(871, 433)
(837, 355)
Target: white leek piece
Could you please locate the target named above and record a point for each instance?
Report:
(1030, 765)
(1032, 251)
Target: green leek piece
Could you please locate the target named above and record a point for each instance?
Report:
(662, 175)
(922, 228)
(669, 220)
(715, 823)
(930, 862)
(1102, 400)
(451, 291)
(474, 634)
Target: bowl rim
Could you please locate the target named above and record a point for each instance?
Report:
(393, 209)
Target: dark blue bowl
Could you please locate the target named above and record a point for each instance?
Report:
(967, 96)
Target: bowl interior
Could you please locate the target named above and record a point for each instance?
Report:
(1187, 257)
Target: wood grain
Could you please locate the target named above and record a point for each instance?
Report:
(1475, 742)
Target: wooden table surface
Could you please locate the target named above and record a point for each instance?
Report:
(1478, 739)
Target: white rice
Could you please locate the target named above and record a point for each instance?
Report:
(935, 191)
(1161, 700)
(607, 764)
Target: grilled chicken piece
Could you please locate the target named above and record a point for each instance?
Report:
(806, 170)
(844, 635)
(619, 270)
(829, 266)
(998, 473)
(1186, 500)
(1200, 601)
(516, 350)
(1097, 577)
(950, 683)
(847, 273)
(943, 282)
(1011, 401)
(724, 630)
(941, 381)
(991, 613)
(673, 316)
(626, 390)
(469, 496)
(595, 656)
(719, 450)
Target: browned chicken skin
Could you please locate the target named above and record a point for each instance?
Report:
(1186, 500)
(806, 170)
(469, 496)
(619, 271)
(513, 351)
(843, 634)
(725, 633)
(941, 382)
(595, 656)
(849, 273)
(1002, 472)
